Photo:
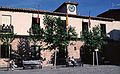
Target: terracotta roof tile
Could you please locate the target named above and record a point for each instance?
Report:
(49, 12)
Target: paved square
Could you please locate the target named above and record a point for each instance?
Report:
(102, 69)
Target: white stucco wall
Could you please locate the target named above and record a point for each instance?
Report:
(22, 22)
(113, 30)
(112, 27)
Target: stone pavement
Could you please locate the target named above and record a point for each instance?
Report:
(87, 69)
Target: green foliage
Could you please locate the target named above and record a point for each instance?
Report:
(36, 34)
(56, 35)
(72, 33)
(93, 39)
(23, 48)
(7, 38)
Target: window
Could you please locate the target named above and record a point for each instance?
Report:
(75, 48)
(64, 23)
(6, 19)
(35, 25)
(6, 26)
(35, 20)
(5, 51)
(103, 29)
(84, 26)
(35, 52)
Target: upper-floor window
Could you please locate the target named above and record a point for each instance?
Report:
(84, 26)
(6, 19)
(6, 26)
(64, 24)
(36, 20)
(35, 25)
(103, 28)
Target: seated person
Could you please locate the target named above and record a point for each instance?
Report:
(73, 62)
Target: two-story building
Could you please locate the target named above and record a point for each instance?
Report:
(19, 21)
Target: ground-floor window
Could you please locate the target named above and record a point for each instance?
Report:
(5, 51)
(35, 52)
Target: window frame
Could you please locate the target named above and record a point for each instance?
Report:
(85, 27)
(103, 28)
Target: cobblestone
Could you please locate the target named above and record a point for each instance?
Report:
(102, 69)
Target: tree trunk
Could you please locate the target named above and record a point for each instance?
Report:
(9, 57)
(93, 58)
(55, 51)
(66, 52)
(97, 57)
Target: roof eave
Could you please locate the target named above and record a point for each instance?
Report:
(52, 13)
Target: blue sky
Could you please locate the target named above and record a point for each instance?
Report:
(94, 6)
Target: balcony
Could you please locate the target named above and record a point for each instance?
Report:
(6, 29)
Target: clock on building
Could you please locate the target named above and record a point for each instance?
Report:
(71, 8)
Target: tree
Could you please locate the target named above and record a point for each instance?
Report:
(23, 48)
(57, 36)
(7, 39)
(93, 39)
(36, 33)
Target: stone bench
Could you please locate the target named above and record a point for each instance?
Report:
(32, 64)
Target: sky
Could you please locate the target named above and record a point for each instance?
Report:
(95, 7)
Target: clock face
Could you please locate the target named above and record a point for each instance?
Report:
(71, 8)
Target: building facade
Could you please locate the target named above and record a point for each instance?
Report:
(22, 19)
